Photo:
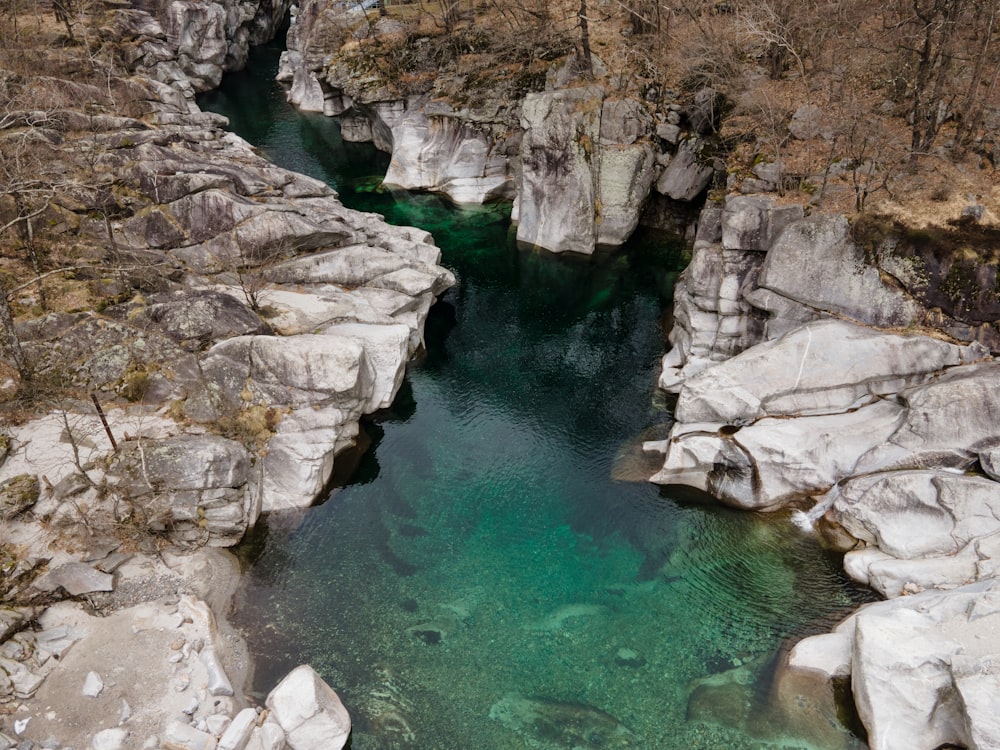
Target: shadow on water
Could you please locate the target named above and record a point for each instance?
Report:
(484, 573)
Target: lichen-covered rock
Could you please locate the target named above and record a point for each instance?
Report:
(17, 495)
(814, 261)
(688, 173)
(195, 487)
(197, 317)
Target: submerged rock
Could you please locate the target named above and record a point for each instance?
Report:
(549, 723)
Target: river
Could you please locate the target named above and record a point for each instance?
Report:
(488, 574)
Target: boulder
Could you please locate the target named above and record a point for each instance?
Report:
(587, 165)
(920, 662)
(195, 487)
(299, 460)
(688, 173)
(774, 461)
(17, 495)
(808, 122)
(556, 191)
(823, 367)
(810, 253)
(307, 369)
(753, 222)
(914, 514)
(196, 318)
(309, 712)
(445, 154)
(948, 422)
(364, 265)
(625, 169)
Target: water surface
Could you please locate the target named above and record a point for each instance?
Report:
(479, 578)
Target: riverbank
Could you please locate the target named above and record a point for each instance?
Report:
(176, 370)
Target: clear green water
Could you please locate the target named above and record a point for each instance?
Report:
(479, 579)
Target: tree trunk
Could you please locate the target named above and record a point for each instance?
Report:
(587, 65)
(10, 344)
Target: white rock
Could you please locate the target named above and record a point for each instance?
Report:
(828, 653)
(822, 367)
(268, 736)
(237, 735)
(110, 739)
(913, 514)
(180, 736)
(309, 711)
(773, 461)
(444, 154)
(920, 661)
(93, 685)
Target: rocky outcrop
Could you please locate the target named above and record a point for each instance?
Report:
(433, 149)
(922, 667)
(348, 292)
(586, 169)
(189, 45)
(814, 368)
(579, 158)
(760, 270)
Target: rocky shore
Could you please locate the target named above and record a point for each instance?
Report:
(252, 321)
(842, 370)
(811, 373)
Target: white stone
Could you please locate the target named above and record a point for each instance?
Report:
(93, 685)
(110, 739)
(309, 711)
(179, 736)
(237, 734)
(822, 367)
(828, 653)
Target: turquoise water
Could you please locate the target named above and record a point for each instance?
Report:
(489, 573)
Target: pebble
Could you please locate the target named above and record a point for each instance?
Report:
(93, 685)
(124, 712)
(192, 706)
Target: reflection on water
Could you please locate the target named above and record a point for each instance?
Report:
(481, 579)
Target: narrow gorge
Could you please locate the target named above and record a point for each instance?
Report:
(547, 399)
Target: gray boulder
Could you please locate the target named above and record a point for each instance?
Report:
(924, 669)
(688, 173)
(815, 262)
(918, 514)
(299, 370)
(822, 367)
(774, 461)
(194, 487)
(753, 223)
(556, 190)
(587, 167)
(948, 422)
(196, 318)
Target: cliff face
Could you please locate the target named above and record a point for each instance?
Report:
(816, 367)
(579, 159)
